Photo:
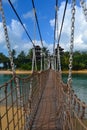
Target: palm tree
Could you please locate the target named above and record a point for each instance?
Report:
(45, 51)
(4, 61)
(13, 53)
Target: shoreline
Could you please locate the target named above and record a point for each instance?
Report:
(30, 72)
(17, 72)
(75, 72)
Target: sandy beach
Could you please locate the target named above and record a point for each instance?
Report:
(11, 117)
(29, 72)
(17, 72)
(77, 72)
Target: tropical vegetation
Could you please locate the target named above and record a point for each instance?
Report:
(23, 61)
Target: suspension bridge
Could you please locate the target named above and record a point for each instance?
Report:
(42, 101)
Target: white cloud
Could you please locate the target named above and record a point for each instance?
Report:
(49, 46)
(16, 33)
(29, 14)
(80, 42)
(52, 21)
(2, 40)
(16, 37)
(16, 29)
(18, 41)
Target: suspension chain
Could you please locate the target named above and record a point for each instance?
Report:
(59, 62)
(84, 7)
(71, 42)
(71, 57)
(9, 48)
(6, 37)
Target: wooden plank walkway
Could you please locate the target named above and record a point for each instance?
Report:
(46, 117)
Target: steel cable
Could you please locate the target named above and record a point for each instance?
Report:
(21, 21)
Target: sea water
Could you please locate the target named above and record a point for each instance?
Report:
(79, 85)
(4, 78)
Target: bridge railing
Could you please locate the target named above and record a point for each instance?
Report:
(10, 111)
(78, 111)
(72, 112)
(18, 105)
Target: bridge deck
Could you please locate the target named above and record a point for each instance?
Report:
(46, 117)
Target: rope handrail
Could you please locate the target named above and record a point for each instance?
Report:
(82, 124)
(72, 106)
(31, 89)
(80, 102)
(75, 97)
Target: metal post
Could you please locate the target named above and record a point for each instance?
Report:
(41, 60)
(52, 63)
(55, 61)
(49, 61)
(58, 60)
(33, 61)
(44, 61)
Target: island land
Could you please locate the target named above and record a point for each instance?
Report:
(30, 72)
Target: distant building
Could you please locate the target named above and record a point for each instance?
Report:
(38, 52)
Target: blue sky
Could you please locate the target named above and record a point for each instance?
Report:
(46, 12)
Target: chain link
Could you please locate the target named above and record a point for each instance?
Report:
(84, 7)
(9, 49)
(59, 62)
(71, 42)
(6, 37)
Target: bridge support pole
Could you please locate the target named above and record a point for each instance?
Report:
(41, 60)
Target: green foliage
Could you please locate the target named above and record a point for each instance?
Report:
(30, 54)
(13, 53)
(4, 60)
(45, 51)
(24, 62)
(26, 66)
(65, 60)
(79, 60)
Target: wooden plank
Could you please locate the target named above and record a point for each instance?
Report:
(46, 117)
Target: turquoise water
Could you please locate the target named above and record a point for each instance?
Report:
(6, 77)
(3, 79)
(79, 84)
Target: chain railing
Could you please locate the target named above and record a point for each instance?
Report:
(58, 59)
(15, 116)
(84, 7)
(7, 37)
(71, 42)
(9, 48)
(72, 112)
